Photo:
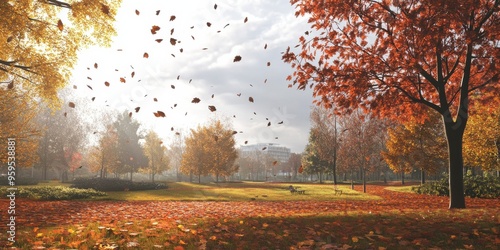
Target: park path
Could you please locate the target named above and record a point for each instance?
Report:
(52, 213)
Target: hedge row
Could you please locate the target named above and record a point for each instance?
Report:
(24, 181)
(475, 186)
(53, 193)
(112, 184)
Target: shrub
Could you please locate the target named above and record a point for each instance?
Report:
(53, 193)
(113, 184)
(24, 181)
(475, 186)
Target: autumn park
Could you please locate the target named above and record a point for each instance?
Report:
(250, 125)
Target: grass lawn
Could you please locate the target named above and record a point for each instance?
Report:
(402, 188)
(244, 191)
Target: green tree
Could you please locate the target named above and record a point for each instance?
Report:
(130, 153)
(41, 40)
(104, 156)
(157, 155)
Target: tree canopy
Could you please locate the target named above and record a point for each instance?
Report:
(41, 40)
(388, 56)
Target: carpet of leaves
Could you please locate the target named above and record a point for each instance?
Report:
(397, 221)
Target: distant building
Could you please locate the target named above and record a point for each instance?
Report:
(276, 151)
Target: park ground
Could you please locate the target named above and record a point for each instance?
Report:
(226, 217)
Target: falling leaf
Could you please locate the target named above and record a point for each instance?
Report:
(226, 25)
(130, 114)
(264, 148)
(215, 6)
(268, 64)
(106, 83)
(137, 12)
(178, 77)
(192, 37)
(246, 20)
(239, 94)
(122, 80)
(154, 29)
(250, 99)
(95, 65)
(235, 132)
(265, 46)
(146, 55)
(71, 104)
(90, 87)
(355, 239)
(209, 24)
(269, 124)
(196, 100)
(213, 95)
(159, 40)
(173, 41)
(154, 99)
(60, 25)
(132, 74)
(237, 59)
(9, 39)
(93, 98)
(157, 12)
(75, 87)
(137, 109)
(275, 163)
(159, 114)
(172, 18)
(212, 108)
(172, 86)
(281, 122)
(172, 31)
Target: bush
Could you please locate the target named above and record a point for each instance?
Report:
(24, 181)
(475, 186)
(53, 193)
(113, 184)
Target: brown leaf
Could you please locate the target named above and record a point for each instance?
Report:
(90, 87)
(269, 124)
(137, 109)
(246, 20)
(75, 87)
(122, 79)
(154, 29)
(209, 24)
(157, 12)
(173, 41)
(159, 40)
(106, 83)
(196, 100)
(235, 132)
(172, 18)
(11, 85)
(129, 114)
(264, 148)
(215, 6)
(146, 55)
(268, 64)
(275, 163)
(95, 65)
(71, 104)
(60, 25)
(93, 98)
(250, 99)
(212, 108)
(159, 114)
(137, 12)
(265, 46)
(105, 9)
(237, 59)
(172, 86)
(154, 99)
(132, 74)
(9, 39)
(172, 31)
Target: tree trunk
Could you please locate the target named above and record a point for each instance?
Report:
(422, 176)
(403, 177)
(364, 179)
(454, 136)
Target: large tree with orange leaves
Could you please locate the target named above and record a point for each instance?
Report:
(396, 57)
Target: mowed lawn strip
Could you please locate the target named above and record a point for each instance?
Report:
(244, 191)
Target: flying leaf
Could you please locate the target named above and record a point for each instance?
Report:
(172, 86)
(146, 55)
(106, 83)
(90, 87)
(213, 95)
(235, 132)
(268, 64)
(173, 41)
(265, 46)
(122, 80)
(159, 40)
(196, 100)
(11, 85)
(172, 18)
(154, 99)
(269, 124)
(212, 108)
(226, 25)
(130, 114)
(246, 20)
(93, 98)
(172, 31)
(246, 142)
(95, 65)
(137, 109)
(9, 39)
(209, 24)
(71, 104)
(132, 74)
(275, 163)
(215, 6)
(75, 87)
(137, 12)
(154, 29)
(159, 114)
(250, 99)
(264, 148)
(281, 122)
(60, 25)
(237, 59)
(157, 12)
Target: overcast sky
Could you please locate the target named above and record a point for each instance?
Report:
(204, 68)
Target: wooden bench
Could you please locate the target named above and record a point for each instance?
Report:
(337, 191)
(296, 190)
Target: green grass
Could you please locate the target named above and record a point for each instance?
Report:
(244, 191)
(406, 189)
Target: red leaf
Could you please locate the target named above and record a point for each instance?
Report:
(159, 40)
(60, 25)
(122, 79)
(212, 108)
(172, 18)
(196, 100)
(146, 55)
(106, 83)
(154, 29)
(137, 12)
(237, 59)
(173, 41)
